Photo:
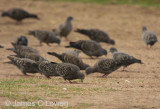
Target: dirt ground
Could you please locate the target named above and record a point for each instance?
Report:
(138, 87)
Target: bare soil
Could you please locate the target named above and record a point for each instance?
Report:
(123, 24)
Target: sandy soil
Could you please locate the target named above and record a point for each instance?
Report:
(122, 23)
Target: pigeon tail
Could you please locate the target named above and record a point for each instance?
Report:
(11, 58)
(82, 31)
(12, 49)
(56, 55)
(31, 33)
(9, 62)
(1, 46)
(75, 45)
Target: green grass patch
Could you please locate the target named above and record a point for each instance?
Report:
(34, 89)
(147, 3)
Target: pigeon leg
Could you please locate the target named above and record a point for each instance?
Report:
(67, 39)
(70, 81)
(65, 80)
(48, 44)
(25, 73)
(48, 77)
(40, 43)
(104, 75)
(123, 69)
(18, 23)
(91, 57)
(22, 70)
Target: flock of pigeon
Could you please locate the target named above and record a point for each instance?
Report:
(28, 59)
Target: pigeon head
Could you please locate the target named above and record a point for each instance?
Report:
(81, 76)
(4, 14)
(104, 52)
(34, 16)
(58, 41)
(112, 42)
(89, 70)
(86, 66)
(22, 40)
(144, 28)
(112, 50)
(69, 18)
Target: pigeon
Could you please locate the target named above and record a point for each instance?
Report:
(96, 35)
(64, 29)
(21, 50)
(105, 66)
(33, 56)
(73, 52)
(24, 64)
(1, 46)
(21, 40)
(67, 58)
(45, 36)
(47, 68)
(125, 59)
(89, 47)
(66, 70)
(148, 37)
(18, 14)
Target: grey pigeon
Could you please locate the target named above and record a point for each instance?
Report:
(105, 66)
(67, 58)
(45, 36)
(33, 56)
(73, 52)
(96, 35)
(21, 50)
(24, 64)
(89, 47)
(21, 40)
(66, 70)
(18, 14)
(125, 59)
(64, 29)
(148, 37)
